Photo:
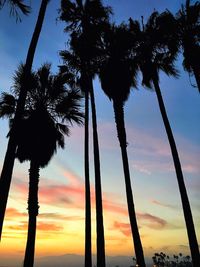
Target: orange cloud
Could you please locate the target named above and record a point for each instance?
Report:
(11, 212)
(41, 226)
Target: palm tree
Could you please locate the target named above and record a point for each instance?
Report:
(49, 109)
(15, 7)
(188, 22)
(85, 22)
(117, 75)
(157, 51)
(6, 173)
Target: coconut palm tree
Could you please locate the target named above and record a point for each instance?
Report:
(157, 51)
(85, 21)
(15, 7)
(49, 110)
(6, 173)
(117, 75)
(188, 26)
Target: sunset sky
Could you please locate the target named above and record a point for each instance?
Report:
(60, 227)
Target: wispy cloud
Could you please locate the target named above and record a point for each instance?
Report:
(41, 226)
(154, 149)
(144, 219)
(14, 213)
(156, 202)
(124, 228)
(152, 221)
(56, 216)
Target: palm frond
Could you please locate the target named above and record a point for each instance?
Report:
(63, 128)
(15, 7)
(69, 107)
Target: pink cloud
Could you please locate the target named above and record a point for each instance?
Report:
(153, 149)
(124, 228)
(73, 196)
(110, 206)
(146, 219)
(56, 194)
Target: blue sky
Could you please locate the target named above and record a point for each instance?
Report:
(153, 177)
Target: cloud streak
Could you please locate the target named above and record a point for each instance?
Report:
(158, 203)
(144, 219)
(41, 226)
(153, 149)
(152, 221)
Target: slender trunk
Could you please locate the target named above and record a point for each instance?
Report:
(194, 248)
(8, 164)
(88, 250)
(196, 72)
(121, 133)
(33, 212)
(101, 262)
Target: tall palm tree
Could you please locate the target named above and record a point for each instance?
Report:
(157, 51)
(48, 111)
(15, 7)
(85, 20)
(188, 22)
(6, 173)
(117, 75)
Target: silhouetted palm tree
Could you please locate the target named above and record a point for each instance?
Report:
(6, 174)
(157, 51)
(49, 110)
(15, 7)
(188, 19)
(84, 23)
(117, 75)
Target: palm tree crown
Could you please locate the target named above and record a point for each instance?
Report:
(117, 72)
(188, 26)
(157, 48)
(48, 111)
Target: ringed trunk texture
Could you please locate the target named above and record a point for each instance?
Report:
(6, 174)
(194, 248)
(101, 262)
(33, 212)
(121, 133)
(88, 250)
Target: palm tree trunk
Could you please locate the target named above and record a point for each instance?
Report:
(88, 250)
(8, 164)
(121, 133)
(194, 248)
(101, 262)
(33, 212)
